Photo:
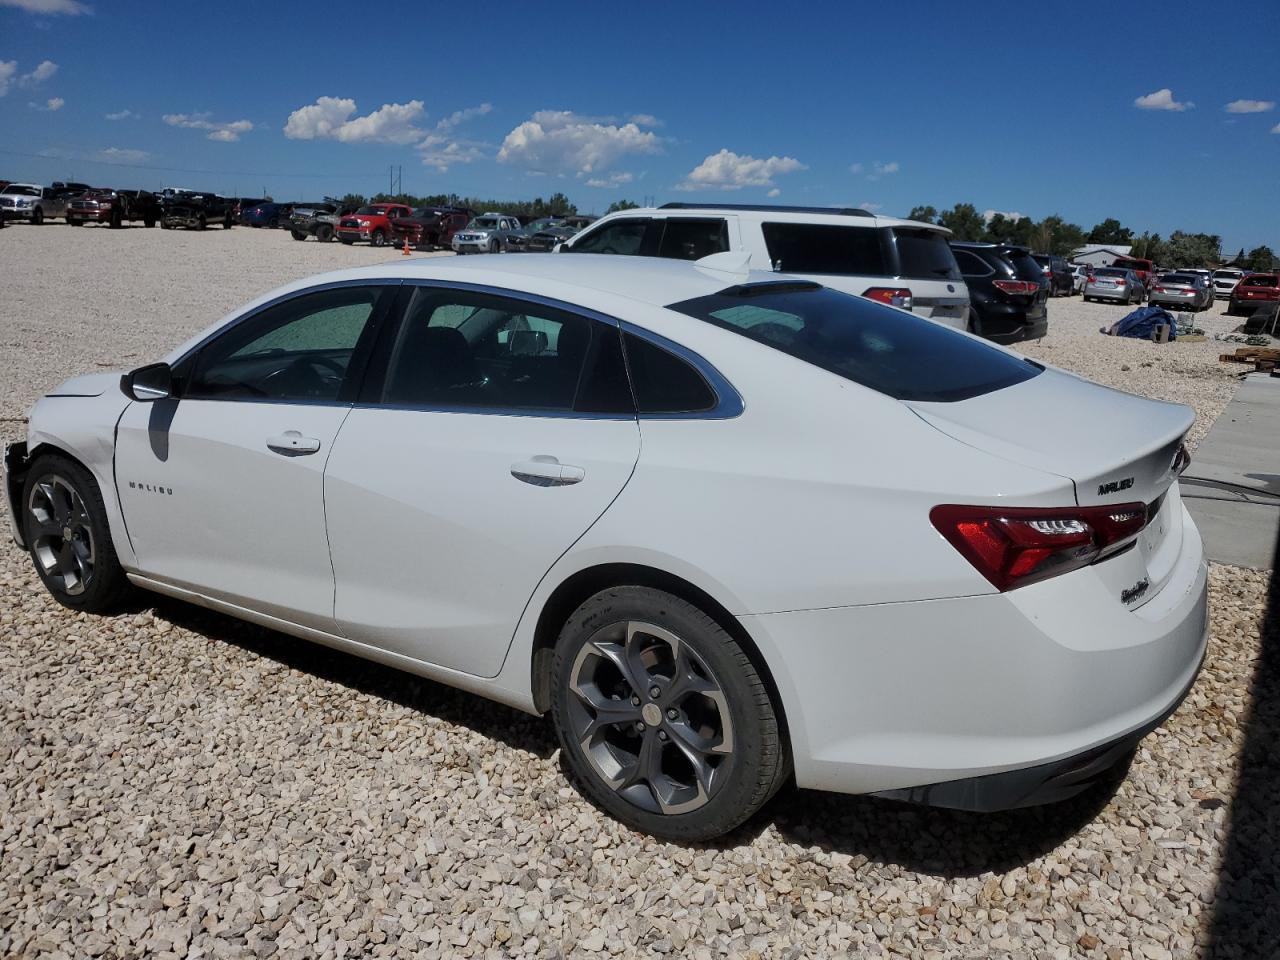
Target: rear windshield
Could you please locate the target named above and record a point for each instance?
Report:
(925, 255)
(1109, 272)
(1226, 274)
(826, 248)
(1131, 264)
(1025, 266)
(1041, 259)
(1178, 278)
(1260, 280)
(891, 351)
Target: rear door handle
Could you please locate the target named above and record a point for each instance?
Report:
(293, 444)
(544, 471)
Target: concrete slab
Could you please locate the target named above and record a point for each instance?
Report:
(1232, 487)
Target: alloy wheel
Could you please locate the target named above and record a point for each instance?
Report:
(651, 718)
(62, 535)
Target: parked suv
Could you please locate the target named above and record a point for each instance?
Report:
(1057, 272)
(1224, 281)
(371, 222)
(427, 228)
(1252, 290)
(1007, 291)
(195, 210)
(899, 262)
(486, 233)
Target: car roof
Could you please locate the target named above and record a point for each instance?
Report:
(655, 281)
(781, 214)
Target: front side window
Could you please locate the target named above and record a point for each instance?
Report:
(300, 349)
(465, 349)
(826, 248)
(623, 237)
(891, 352)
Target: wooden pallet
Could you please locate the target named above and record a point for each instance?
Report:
(1252, 355)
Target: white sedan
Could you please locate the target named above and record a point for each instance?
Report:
(727, 528)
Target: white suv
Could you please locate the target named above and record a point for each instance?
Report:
(899, 262)
(1225, 281)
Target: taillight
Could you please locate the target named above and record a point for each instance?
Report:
(1017, 286)
(1016, 546)
(893, 296)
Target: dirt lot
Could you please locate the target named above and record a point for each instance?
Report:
(177, 784)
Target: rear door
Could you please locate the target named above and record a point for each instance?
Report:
(925, 261)
(500, 431)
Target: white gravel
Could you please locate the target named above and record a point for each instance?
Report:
(174, 783)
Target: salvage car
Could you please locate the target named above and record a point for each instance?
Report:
(195, 210)
(898, 262)
(729, 530)
(430, 228)
(546, 238)
(317, 220)
(371, 222)
(1114, 283)
(1182, 289)
(114, 208)
(1253, 290)
(1008, 291)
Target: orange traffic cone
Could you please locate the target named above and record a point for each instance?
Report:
(406, 251)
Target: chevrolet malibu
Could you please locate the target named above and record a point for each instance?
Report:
(728, 529)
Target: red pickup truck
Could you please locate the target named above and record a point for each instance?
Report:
(1145, 270)
(371, 222)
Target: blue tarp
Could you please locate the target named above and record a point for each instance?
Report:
(1142, 321)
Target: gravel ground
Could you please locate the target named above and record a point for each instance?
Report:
(174, 783)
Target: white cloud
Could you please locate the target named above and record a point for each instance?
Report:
(560, 141)
(221, 132)
(54, 103)
(613, 180)
(774, 192)
(877, 169)
(1162, 99)
(440, 149)
(727, 170)
(1007, 214)
(645, 120)
(119, 115)
(870, 207)
(1276, 128)
(8, 68)
(45, 70)
(855, 168)
(9, 76)
(122, 155)
(330, 118)
(72, 8)
(1250, 106)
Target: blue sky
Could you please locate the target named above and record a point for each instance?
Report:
(1027, 108)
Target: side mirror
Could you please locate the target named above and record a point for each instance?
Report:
(152, 382)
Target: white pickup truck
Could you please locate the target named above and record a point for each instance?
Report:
(34, 203)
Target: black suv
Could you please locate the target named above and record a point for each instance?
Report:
(1007, 291)
(1058, 272)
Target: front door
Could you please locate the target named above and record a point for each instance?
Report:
(222, 489)
(501, 431)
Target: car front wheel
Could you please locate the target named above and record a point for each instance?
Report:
(65, 524)
(663, 718)
(378, 238)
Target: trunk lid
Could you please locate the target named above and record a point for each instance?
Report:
(1114, 447)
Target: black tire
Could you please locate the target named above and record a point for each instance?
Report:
(296, 235)
(105, 587)
(37, 217)
(117, 220)
(273, 223)
(495, 247)
(378, 238)
(346, 241)
(742, 780)
(75, 223)
(324, 233)
(201, 223)
(227, 222)
(149, 222)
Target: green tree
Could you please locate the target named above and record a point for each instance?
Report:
(1261, 258)
(1110, 231)
(965, 222)
(923, 214)
(1191, 249)
(622, 205)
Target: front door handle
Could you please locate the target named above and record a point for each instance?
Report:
(544, 471)
(293, 444)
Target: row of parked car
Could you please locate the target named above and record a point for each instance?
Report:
(82, 203)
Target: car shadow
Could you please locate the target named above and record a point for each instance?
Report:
(494, 720)
(1245, 922)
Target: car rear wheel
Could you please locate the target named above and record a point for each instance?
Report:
(663, 718)
(65, 525)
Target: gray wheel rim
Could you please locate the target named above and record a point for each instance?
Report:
(651, 718)
(62, 536)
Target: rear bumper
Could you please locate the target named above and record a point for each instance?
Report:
(985, 701)
(1008, 323)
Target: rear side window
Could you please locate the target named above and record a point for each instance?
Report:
(685, 239)
(623, 237)
(891, 352)
(972, 265)
(664, 383)
(826, 248)
(924, 255)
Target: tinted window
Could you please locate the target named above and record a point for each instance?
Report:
(605, 387)
(457, 348)
(1260, 280)
(971, 265)
(693, 239)
(663, 382)
(925, 255)
(892, 352)
(296, 350)
(1025, 266)
(1110, 272)
(624, 237)
(825, 248)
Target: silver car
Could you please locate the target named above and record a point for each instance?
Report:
(486, 233)
(1114, 283)
(1182, 289)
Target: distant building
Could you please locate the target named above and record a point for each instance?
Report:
(1100, 254)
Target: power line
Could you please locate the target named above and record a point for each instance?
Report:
(212, 173)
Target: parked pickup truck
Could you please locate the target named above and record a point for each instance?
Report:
(36, 204)
(429, 228)
(371, 222)
(114, 208)
(195, 210)
(319, 220)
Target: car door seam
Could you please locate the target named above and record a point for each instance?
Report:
(324, 513)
